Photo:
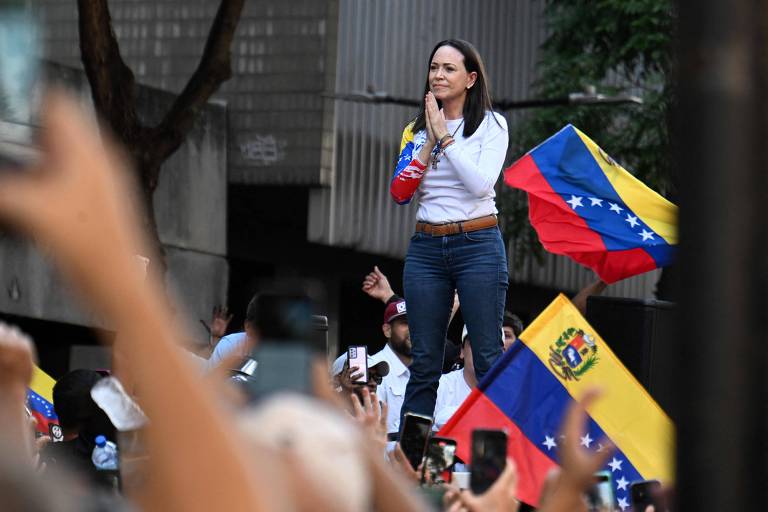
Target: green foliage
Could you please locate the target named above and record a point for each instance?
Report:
(588, 365)
(567, 334)
(621, 47)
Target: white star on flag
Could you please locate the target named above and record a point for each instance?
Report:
(632, 220)
(615, 464)
(616, 208)
(595, 201)
(574, 201)
(647, 235)
(621, 484)
(623, 505)
(586, 440)
(549, 442)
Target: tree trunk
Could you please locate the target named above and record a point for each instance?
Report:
(148, 172)
(113, 92)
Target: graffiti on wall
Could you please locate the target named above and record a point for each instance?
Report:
(263, 150)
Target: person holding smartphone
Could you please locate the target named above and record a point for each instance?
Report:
(450, 159)
(345, 378)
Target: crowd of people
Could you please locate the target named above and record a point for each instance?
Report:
(322, 442)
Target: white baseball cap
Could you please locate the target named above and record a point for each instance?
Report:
(382, 366)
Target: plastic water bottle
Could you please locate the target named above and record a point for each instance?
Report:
(104, 455)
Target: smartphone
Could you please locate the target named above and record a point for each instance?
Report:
(357, 356)
(414, 437)
(281, 367)
(20, 85)
(600, 496)
(489, 458)
(287, 349)
(644, 493)
(439, 459)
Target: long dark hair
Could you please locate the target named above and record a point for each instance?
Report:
(478, 100)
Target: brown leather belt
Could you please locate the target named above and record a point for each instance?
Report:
(452, 228)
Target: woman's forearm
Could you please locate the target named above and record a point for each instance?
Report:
(425, 152)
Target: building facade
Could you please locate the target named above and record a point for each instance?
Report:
(308, 171)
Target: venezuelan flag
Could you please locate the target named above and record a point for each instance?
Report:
(40, 400)
(529, 389)
(585, 205)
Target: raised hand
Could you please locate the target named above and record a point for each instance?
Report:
(578, 466)
(500, 497)
(77, 200)
(220, 318)
(17, 355)
(439, 128)
(78, 205)
(372, 417)
(377, 286)
(428, 113)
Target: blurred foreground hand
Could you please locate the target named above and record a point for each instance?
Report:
(78, 204)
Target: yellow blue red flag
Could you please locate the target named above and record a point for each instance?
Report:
(585, 205)
(40, 400)
(529, 389)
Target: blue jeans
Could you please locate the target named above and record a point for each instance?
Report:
(474, 264)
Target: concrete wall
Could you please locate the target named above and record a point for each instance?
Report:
(190, 206)
(276, 112)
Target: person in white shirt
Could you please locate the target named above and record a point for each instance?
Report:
(450, 159)
(455, 386)
(233, 347)
(397, 353)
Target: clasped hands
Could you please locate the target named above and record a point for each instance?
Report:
(435, 120)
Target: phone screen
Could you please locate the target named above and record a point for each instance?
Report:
(489, 458)
(440, 457)
(416, 430)
(645, 493)
(19, 85)
(358, 358)
(281, 367)
(600, 496)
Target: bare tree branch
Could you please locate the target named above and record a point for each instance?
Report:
(114, 94)
(214, 69)
(112, 82)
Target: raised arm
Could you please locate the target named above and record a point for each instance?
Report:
(77, 201)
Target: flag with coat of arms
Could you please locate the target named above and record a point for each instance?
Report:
(529, 389)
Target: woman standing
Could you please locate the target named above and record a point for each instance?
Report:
(451, 156)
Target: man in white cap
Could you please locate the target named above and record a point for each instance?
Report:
(397, 351)
(397, 354)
